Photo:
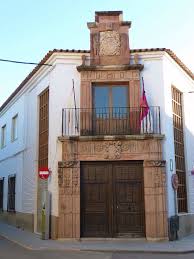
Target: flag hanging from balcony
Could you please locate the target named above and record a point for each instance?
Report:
(72, 114)
(144, 107)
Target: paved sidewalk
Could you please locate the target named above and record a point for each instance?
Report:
(32, 241)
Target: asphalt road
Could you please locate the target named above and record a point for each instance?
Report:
(10, 250)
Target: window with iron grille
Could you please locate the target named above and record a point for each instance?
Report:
(11, 193)
(1, 193)
(179, 149)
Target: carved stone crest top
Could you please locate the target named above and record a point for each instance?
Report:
(109, 40)
(110, 43)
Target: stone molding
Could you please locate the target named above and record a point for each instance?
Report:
(112, 137)
(107, 68)
(154, 163)
(147, 150)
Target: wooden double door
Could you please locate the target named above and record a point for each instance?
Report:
(112, 199)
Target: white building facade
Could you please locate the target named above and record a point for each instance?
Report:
(20, 187)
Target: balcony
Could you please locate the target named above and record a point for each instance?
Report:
(110, 121)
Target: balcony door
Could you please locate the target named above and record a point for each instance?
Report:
(111, 109)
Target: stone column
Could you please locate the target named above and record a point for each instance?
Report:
(155, 200)
(69, 199)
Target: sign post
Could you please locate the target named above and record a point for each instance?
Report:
(175, 184)
(45, 215)
(174, 220)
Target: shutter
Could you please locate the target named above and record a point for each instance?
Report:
(179, 149)
(1, 193)
(11, 193)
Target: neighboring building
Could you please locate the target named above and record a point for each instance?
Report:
(110, 171)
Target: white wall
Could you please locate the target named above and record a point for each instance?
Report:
(30, 162)
(11, 156)
(61, 96)
(174, 75)
(16, 146)
(160, 73)
(154, 81)
(21, 156)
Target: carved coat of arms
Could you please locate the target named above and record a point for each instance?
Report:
(109, 43)
(112, 150)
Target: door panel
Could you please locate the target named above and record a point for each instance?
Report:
(128, 199)
(94, 199)
(112, 199)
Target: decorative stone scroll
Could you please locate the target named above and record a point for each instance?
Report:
(154, 163)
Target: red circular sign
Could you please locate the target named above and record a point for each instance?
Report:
(43, 173)
(175, 181)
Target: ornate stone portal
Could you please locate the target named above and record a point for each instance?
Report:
(148, 150)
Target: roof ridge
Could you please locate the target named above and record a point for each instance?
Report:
(50, 52)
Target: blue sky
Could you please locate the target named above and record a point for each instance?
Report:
(30, 28)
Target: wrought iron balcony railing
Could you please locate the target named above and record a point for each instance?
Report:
(110, 121)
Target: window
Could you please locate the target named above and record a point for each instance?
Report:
(1, 193)
(11, 193)
(3, 136)
(14, 129)
(110, 100)
(179, 149)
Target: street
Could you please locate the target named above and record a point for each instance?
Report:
(9, 250)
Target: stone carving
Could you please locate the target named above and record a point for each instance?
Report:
(67, 179)
(75, 182)
(66, 164)
(75, 178)
(85, 148)
(154, 163)
(112, 150)
(159, 163)
(130, 147)
(60, 176)
(105, 75)
(99, 147)
(96, 44)
(159, 179)
(110, 43)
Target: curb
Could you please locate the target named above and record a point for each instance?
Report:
(124, 251)
(140, 251)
